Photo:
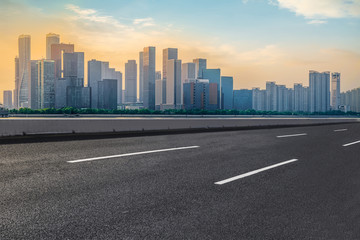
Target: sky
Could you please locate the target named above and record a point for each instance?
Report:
(252, 40)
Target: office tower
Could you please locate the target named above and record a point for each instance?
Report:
(319, 84)
(213, 75)
(168, 54)
(22, 88)
(57, 51)
(46, 84)
(271, 96)
(187, 72)
(200, 66)
(196, 94)
(131, 81)
(259, 99)
(242, 99)
(141, 76)
(107, 93)
(118, 76)
(213, 96)
(335, 90)
(7, 99)
(149, 77)
(173, 84)
(73, 66)
(34, 84)
(94, 76)
(51, 38)
(227, 87)
(17, 84)
(158, 94)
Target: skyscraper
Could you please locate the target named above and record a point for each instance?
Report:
(168, 53)
(51, 38)
(118, 76)
(24, 71)
(271, 96)
(213, 75)
(17, 84)
(73, 65)
(57, 51)
(319, 85)
(200, 65)
(46, 84)
(196, 94)
(107, 93)
(141, 76)
(188, 71)
(227, 87)
(335, 90)
(7, 99)
(131, 81)
(94, 76)
(173, 84)
(149, 77)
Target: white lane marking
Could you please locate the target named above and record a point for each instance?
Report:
(254, 172)
(292, 135)
(131, 154)
(340, 130)
(352, 143)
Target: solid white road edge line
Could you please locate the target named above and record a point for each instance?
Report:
(352, 143)
(292, 135)
(131, 154)
(254, 172)
(340, 130)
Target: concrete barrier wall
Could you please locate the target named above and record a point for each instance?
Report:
(21, 126)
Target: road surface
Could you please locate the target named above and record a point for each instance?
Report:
(288, 183)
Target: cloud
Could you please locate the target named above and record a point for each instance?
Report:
(317, 22)
(145, 22)
(322, 9)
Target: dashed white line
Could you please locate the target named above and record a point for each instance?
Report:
(340, 130)
(292, 135)
(131, 154)
(352, 143)
(254, 172)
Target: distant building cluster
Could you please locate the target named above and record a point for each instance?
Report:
(58, 82)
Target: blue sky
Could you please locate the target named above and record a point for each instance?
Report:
(255, 40)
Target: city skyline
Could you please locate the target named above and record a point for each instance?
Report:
(249, 47)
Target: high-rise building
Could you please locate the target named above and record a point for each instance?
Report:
(118, 76)
(259, 99)
(34, 84)
(319, 84)
(17, 84)
(282, 98)
(187, 73)
(350, 100)
(335, 91)
(271, 96)
(173, 84)
(107, 94)
(73, 65)
(227, 87)
(196, 94)
(24, 71)
(94, 76)
(57, 51)
(46, 84)
(141, 76)
(213, 75)
(200, 65)
(213, 96)
(242, 99)
(168, 53)
(7, 99)
(51, 38)
(149, 77)
(131, 81)
(300, 98)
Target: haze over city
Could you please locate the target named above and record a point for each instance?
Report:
(254, 41)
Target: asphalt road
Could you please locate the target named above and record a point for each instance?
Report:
(288, 183)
